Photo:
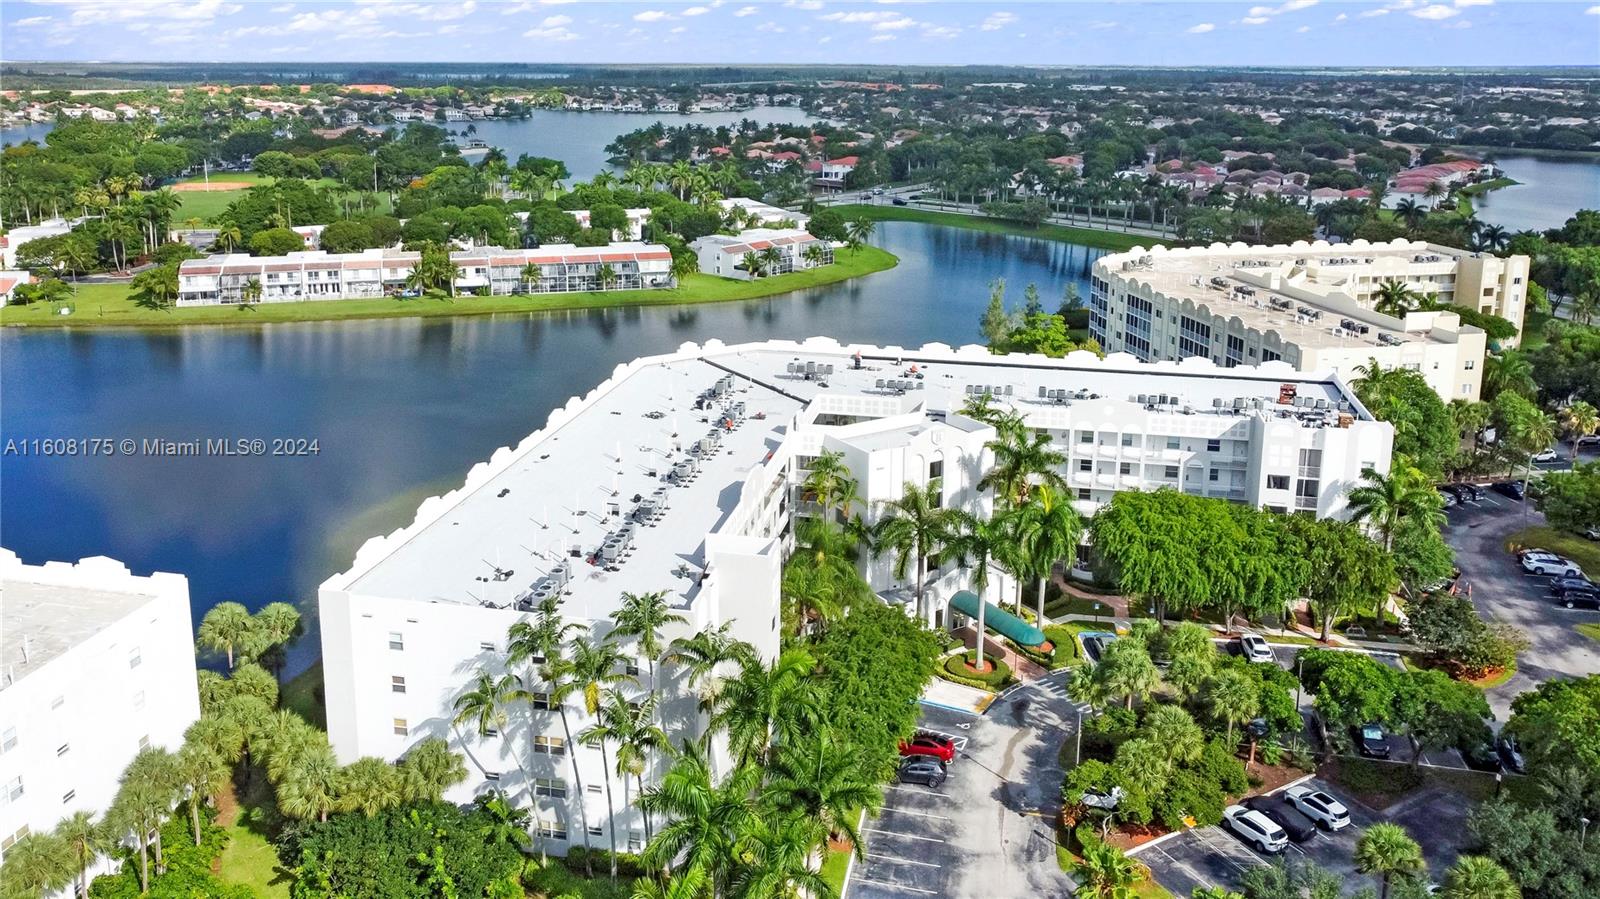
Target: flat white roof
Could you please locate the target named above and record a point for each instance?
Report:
(572, 485)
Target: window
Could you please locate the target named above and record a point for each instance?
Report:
(397, 684)
(1172, 443)
(1466, 390)
(486, 646)
(1211, 475)
(1471, 364)
(1125, 468)
(397, 640)
(491, 731)
(492, 776)
(1214, 445)
(550, 745)
(541, 702)
(68, 796)
(401, 729)
(13, 790)
(631, 667)
(596, 830)
(1085, 436)
(1170, 472)
(1083, 493)
(1127, 440)
(1085, 465)
(144, 742)
(593, 788)
(550, 786)
(635, 841)
(138, 700)
(935, 469)
(63, 749)
(134, 659)
(552, 831)
(8, 739)
(1277, 482)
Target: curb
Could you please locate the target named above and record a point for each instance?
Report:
(1167, 836)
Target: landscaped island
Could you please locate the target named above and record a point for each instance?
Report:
(112, 305)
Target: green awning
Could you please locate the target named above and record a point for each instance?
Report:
(998, 620)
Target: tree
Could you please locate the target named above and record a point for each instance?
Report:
(225, 628)
(1048, 530)
(428, 769)
(822, 780)
(1022, 459)
(1156, 545)
(200, 773)
(767, 705)
(1382, 500)
(859, 231)
(703, 818)
(348, 236)
(1425, 431)
(156, 288)
(274, 628)
(1579, 420)
(1231, 698)
(276, 242)
(1394, 298)
(915, 527)
(145, 795)
(1477, 877)
(38, 864)
(605, 276)
(1105, 873)
(530, 275)
(86, 838)
(1125, 670)
(1388, 850)
(1350, 688)
(1346, 571)
(705, 654)
(313, 786)
(1571, 499)
(1559, 722)
(614, 722)
(642, 617)
(1436, 712)
(369, 785)
(996, 324)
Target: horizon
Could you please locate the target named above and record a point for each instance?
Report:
(1294, 34)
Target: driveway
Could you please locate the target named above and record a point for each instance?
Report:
(1213, 856)
(1502, 592)
(988, 830)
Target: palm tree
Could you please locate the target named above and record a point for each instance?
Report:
(690, 883)
(38, 864)
(1386, 850)
(201, 772)
(1511, 370)
(1047, 530)
(1105, 873)
(370, 785)
(86, 838)
(313, 786)
(628, 725)
(771, 259)
(830, 482)
(540, 644)
(703, 817)
(225, 628)
(605, 276)
(1173, 729)
(752, 264)
(813, 255)
(594, 666)
(702, 655)
(483, 705)
(1394, 298)
(1532, 434)
(1022, 458)
(144, 799)
(859, 231)
(1126, 671)
(530, 275)
(1580, 420)
(1410, 212)
(1232, 698)
(767, 705)
(776, 860)
(1381, 500)
(1478, 877)
(915, 527)
(277, 625)
(250, 293)
(643, 616)
(1493, 237)
(983, 542)
(430, 768)
(230, 236)
(822, 780)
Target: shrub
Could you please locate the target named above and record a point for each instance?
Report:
(955, 668)
(628, 865)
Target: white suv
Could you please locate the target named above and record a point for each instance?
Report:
(1328, 812)
(1547, 564)
(1255, 648)
(1256, 828)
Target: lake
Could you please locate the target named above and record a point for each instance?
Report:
(576, 138)
(400, 409)
(1551, 189)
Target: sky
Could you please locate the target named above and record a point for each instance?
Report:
(897, 32)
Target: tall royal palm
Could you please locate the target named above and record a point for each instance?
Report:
(612, 719)
(627, 726)
(775, 860)
(821, 779)
(915, 527)
(643, 616)
(1022, 459)
(766, 705)
(1047, 530)
(703, 657)
(483, 706)
(1531, 433)
(703, 817)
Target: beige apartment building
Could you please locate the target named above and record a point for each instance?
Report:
(1309, 304)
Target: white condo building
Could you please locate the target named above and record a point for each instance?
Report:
(96, 664)
(723, 255)
(1310, 305)
(681, 473)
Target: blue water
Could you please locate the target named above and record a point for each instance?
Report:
(400, 409)
(1549, 191)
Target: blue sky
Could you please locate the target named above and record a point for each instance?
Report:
(1284, 33)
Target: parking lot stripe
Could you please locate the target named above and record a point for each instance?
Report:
(903, 861)
(907, 811)
(896, 886)
(909, 836)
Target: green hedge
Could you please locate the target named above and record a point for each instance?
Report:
(955, 669)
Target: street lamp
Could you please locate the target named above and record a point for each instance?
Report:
(1583, 835)
(1097, 614)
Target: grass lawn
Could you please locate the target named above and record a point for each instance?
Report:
(1089, 237)
(110, 305)
(1293, 639)
(834, 868)
(1589, 629)
(1417, 661)
(303, 694)
(1068, 604)
(251, 861)
(1484, 187)
(1585, 552)
(1533, 329)
(207, 205)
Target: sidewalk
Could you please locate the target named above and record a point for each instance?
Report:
(951, 695)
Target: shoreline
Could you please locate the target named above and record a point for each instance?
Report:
(110, 306)
(1094, 238)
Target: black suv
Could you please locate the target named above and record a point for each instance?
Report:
(1579, 594)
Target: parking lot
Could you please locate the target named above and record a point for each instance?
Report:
(987, 830)
(1214, 857)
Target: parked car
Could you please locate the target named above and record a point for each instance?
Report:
(1255, 828)
(1592, 533)
(1589, 597)
(1547, 455)
(1547, 564)
(1510, 754)
(1106, 801)
(921, 770)
(1469, 492)
(1561, 585)
(1371, 741)
(1255, 648)
(1328, 812)
(1513, 489)
(943, 749)
(1299, 827)
(1451, 500)
(1480, 755)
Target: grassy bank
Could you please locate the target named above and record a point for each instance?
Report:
(111, 305)
(1089, 237)
(1585, 552)
(1484, 187)
(207, 205)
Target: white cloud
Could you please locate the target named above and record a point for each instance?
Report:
(1255, 20)
(550, 34)
(880, 38)
(100, 12)
(810, 5)
(679, 30)
(857, 18)
(771, 28)
(1436, 12)
(899, 23)
(1302, 29)
(1340, 17)
(555, 21)
(1464, 3)
(1202, 28)
(998, 20)
(1372, 13)
(743, 11)
(695, 11)
(1592, 11)
(281, 9)
(651, 15)
(941, 32)
(1101, 26)
(31, 21)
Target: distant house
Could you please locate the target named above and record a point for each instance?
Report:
(723, 255)
(831, 173)
(9, 282)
